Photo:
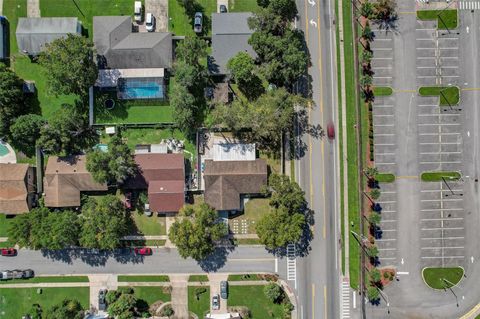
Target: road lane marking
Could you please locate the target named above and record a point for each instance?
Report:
(313, 300)
(325, 300)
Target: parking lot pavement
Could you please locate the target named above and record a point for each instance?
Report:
(382, 48)
(442, 224)
(387, 240)
(384, 138)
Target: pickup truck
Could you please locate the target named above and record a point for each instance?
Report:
(16, 274)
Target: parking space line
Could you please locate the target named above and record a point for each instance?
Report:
(442, 199)
(436, 238)
(385, 144)
(426, 29)
(382, 77)
(382, 67)
(383, 115)
(383, 125)
(389, 220)
(438, 114)
(377, 58)
(442, 247)
(443, 209)
(436, 134)
(439, 153)
(386, 202)
(382, 49)
(440, 219)
(439, 190)
(426, 67)
(383, 105)
(381, 249)
(388, 239)
(380, 163)
(444, 228)
(426, 57)
(450, 76)
(385, 154)
(384, 134)
(443, 124)
(385, 230)
(389, 211)
(449, 57)
(426, 76)
(442, 162)
(388, 258)
(448, 48)
(426, 48)
(441, 257)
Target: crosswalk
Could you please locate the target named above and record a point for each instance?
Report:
(291, 263)
(345, 299)
(469, 5)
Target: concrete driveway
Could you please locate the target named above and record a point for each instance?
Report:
(159, 9)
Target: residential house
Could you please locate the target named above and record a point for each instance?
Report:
(34, 33)
(131, 61)
(230, 34)
(163, 176)
(17, 188)
(3, 38)
(65, 179)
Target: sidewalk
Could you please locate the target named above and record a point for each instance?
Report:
(179, 295)
(33, 8)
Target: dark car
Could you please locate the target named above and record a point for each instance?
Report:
(198, 22)
(224, 289)
(143, 251)
(101, 299)
(28, 273)
(330, 131)
(223, 8)
(9, 252)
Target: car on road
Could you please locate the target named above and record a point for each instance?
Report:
(215, 302)
(330, 130)
(9, 252)
(223, 8)
(150, 22)
(224, 289)
(101, 299)
(198, 22)
(143, 251)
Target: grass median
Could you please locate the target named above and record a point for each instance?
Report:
(449, 96)
(446, 19)
(69, 279)
(441, 278)
(123, 278)
(385, 178)
(439, 176)
(382, 91)
(198, 278)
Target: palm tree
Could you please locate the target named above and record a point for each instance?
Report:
(371, 172)
(366, 80)
(374, 218)
(375, 276)
(367, 10)
(385, 14)
(366, 56)
(367, 33)
(375, 193)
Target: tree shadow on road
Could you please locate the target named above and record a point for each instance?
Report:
(217, 259)
(92, 257)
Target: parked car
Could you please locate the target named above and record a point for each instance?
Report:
(16, 274)
(215, 302)
(128, 200)
(143, 251)
(224, 289)
(223, 8)
(198, 22)
(330, 131)
(9, 252)
(101, 299)
(28, 274)
(138, 11)
(150, 22)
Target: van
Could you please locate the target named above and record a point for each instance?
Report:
(137, 13)
(150, 22)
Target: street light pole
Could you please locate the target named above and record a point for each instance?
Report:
(450, 288)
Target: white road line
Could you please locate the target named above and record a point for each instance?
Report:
(382, 49)
(443, 228)
(441, 257)
(383, 39)
(439, 153)
(426, 48)
(425, 29)
(442, 199)
(385, 230)
(390, 239)
(384, 144)
(382, 68)
(424, 39)
(376, 58)
(439, 190)
(387, 202)
(443, 124)
(386, 249)
(443, 209)
(449, 48)
(436, 134)
(452, 162)
(426, 67)
(383, 125)
(440, 219)
(291, 263)
(426, 57)
(382, 77)
(385, 154)
(442, 247)
(438, 114)
(383, 115)
(345, 299)
(449, 57)
(380, 163)
(436, 238)
(383, 105)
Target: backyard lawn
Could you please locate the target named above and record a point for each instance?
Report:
(200, 306)
(440, 278)
(254, 298)
(13, 9)
(15, 302)
(4, 224)
(180, 22)
(255, 208)
(242, 5)
(149, 225)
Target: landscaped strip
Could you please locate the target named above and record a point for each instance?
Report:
(382, 91)
(198, 278)
(247, 241)
(449, 96)
(153, 294)
(161, 278)
(439, 176)
(254, 298)
(46, 280)
(244, 277)
(441, 278)
(199, 300)
(446, 19)
(385, 178)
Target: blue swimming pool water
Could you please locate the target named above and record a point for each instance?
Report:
(3, 150)
(141, 89)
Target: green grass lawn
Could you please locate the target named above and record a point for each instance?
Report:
(123, 278)
(446, 19)
(4, 224)
(150, 225)
(244, 277)
(13, 9)
(15, 302)
(152, 294)
(201, 306)
(46, 279)
(242, 5)
(248, 241)
(449, 96)
(255, 208)
(6, 244)
(86, 10)
(440, 278)
(382, 91)
(385, 178)
(254, 298)
(437, 176)
(197, 278)
(148, 242)
(181, 22)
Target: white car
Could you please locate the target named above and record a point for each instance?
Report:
(137, 13)
(150, 22)
(215, 302)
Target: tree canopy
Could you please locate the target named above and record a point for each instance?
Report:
(121, 303)
(69, 65)
(104, 222)
(26, 131)
(113, 167)
(67, 309)
(196, 231)
(191, 51)
(12, 102)
(243, 70)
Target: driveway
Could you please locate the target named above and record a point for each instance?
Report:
(159, 9)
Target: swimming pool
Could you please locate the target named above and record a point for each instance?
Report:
(141, 88)
(3, 150)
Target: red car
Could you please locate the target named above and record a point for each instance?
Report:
(144, 251)
(8, 252)
(330, 131)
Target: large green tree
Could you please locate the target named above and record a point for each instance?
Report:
(69, 65)
(67, 309)
(114, 166)
(185, 109)
(243, 71)
(196, 231)
(121, 303)
(67, 133)
(191, 50)
(104, 223)
(26, 131)
(286, 193)
(12, 102)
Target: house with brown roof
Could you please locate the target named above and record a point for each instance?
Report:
(65, 179)
(163, 175)
(17, 188)
(227, 181)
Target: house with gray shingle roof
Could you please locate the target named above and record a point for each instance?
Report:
(230, 34)
(34, 33)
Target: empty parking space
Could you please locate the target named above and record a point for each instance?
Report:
(383, 127)
(387, 236)
(382, 63)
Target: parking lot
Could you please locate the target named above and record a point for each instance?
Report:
(442, 225)
(382, 62)
(387, 242)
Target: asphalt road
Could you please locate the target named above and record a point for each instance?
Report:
(318, 274)
(163, 260)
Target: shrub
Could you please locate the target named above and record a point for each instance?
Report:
(273, 292)
(167, 311)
